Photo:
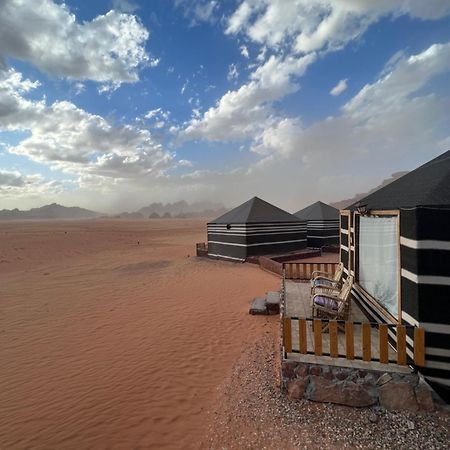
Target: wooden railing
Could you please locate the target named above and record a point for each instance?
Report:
(366, 354)
(304, 270)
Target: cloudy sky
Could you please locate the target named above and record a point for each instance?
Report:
(113, 104)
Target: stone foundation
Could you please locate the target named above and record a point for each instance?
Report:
(355, 387)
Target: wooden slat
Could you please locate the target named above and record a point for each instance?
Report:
(333, 339)
(303, 343)
(366, 344)
(383, 342)
(287, 335)
(401, 345)
(419, 346)
(317, 337)
(349, 341)
(297, 270)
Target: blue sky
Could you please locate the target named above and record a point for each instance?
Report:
(111, 105)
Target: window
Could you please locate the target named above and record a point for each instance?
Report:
(378, 260)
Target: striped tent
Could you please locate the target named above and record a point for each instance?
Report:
(322, 224)
(255, 228)
(396, 242)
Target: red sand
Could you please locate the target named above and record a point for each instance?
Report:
(107, 343)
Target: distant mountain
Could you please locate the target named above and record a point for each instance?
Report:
(344, 203)
(182, 209)
(53, 211)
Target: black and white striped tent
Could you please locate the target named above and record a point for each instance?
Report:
(396, 242)
(322, 224)
(255, 228)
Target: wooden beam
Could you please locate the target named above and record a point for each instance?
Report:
(383, 342)
(303, 343)
(317, 337)
(333, 339)
(349, 341)
(401, 345)
(287, 335)
(366, 344)
(419, 347)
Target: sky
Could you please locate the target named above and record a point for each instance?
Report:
(111, 105)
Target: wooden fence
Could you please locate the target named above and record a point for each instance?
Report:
(368, 354)
(304, 270)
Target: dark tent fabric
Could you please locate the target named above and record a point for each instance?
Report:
(421, 199)
(322, 224)
(255, 210)
(255, 228)
(428, 185)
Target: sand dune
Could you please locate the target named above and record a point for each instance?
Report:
(112, 337)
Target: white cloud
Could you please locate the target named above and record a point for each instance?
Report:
(126, 6)
(244, 51)
(240, 114)
(198, 10)
(70, 139)
(339, 88)
(49, 36)
(311, 25)
(14, 185)
(232, 72)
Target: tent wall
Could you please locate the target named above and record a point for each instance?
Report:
(425, 257)
(322, 233)
(239, 241)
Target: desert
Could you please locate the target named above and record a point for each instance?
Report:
(114, 336)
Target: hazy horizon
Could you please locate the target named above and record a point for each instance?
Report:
(115, 104)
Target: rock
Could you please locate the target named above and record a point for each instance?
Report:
(424, 396)
(315, 370)
(373, 418)
(258, 306)
(302, 371)
(410, 424)
(341, 375)
(343, 393)
(296, 388)
(385, 378)
(398, 396)
(287, 369)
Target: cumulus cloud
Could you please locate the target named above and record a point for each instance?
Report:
(339, 88)
(241, 113)
(49, 36)
(70, 139)
(14, 185)
(311, 25)
(198, 11)
(244, 51)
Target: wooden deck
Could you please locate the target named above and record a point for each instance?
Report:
(298, 304)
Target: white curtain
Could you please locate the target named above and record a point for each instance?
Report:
(378, 260)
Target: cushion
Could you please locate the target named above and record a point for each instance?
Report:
(326, 302)
(321, 282)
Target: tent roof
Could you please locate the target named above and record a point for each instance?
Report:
(428, 185)
(256, 210)
(318, 211)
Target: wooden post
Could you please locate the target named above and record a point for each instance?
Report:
(419, 346)
(366, 344)
(383, 342)
(303, 343)
(333, 339)
(317, 337)
(349, 342)
(401, 345)
(287, 335)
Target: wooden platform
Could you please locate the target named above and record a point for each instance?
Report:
(298, 304)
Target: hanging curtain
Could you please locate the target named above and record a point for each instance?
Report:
(378, 260)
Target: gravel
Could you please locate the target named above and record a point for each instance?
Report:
(253, 414)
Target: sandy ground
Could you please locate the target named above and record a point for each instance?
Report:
(111, 337)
